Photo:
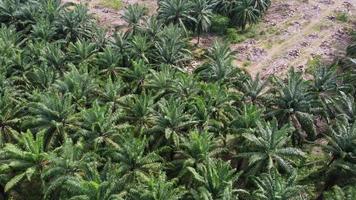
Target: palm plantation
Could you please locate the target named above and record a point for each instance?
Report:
(84, 116)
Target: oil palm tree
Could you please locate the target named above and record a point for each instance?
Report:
(136, 75)
(295, 103)
(274, 186)
(268, 149)
(23, 163)
(161, 82)
(158, 188)
(9, 118)
(109, 61)
(96, 186)
(138, 110)
(79, 83)
(245, 13)
(202, 12)
(140, 48)
(171, 120)
(176, 12)
(113, 93)
(54, 114)
(135, 162)
(64, 163)
(219, 66)
(214, 180)
(195, 149)
(74, 24)
(338, 193)
(98, 125)
(341, 142)
(82, 51)
(171, 48)
(254, 89)
(133, 15)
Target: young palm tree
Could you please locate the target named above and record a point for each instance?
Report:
(133, 15)
(136, 75)
(135, 162)
(344, 107)
(9, 118)
(254, 89)
(138, 110)
(78, 83)
(171, 120)
(176, 12)
(341, 143)
(74, 23)
(324, 83)
(202, 12)
(82, 52)
(113, 93)
(151, 26)
(64, 163)
(22, 163)
(246, 119)
(171, 48)
(196, 149)
(161, 82)
(95, 186)
(295, 103)
(140, 48)
(219, 66)
(158, 188)
(54, 57)
(54, 114)
(268, 148)
(214, 181)
(274, 186)
(98, 125)
(109, 62)
(245, 13)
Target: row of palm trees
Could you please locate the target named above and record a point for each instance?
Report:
(84, 116)
(196, 15)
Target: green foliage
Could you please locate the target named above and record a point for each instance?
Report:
(219, 24)
(337, 193)
(113, 4)
(274, 186)
(342, 16)
(86, 116)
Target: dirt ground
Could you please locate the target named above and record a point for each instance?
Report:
(111, 18)
(295, 32)
(292, 33)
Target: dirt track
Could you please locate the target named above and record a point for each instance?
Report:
(302, 31)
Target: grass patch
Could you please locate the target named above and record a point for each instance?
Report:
(235, 36)
(342, 17)
(113, 4)
(313, 63)
(246, 64)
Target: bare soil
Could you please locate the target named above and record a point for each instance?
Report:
(294, 32)
(111, 18)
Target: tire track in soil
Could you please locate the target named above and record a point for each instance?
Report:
(278, 60)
